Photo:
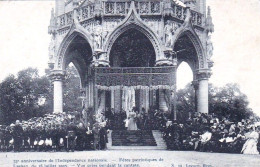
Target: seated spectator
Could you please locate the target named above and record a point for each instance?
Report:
(204, 139)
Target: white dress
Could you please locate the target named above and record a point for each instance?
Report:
(131, 122)
(250, 146)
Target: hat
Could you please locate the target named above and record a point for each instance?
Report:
(213, 127)
(103, 124)
(168, 123)
(257, 124)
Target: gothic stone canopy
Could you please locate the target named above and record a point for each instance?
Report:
(137, 43)
(96, 26)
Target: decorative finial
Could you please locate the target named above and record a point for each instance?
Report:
(98, 9)
(52, 26)
(209, 23)
(209, 11)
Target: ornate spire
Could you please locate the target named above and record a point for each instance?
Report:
(52, 26)
(209, 23)
(98, 8)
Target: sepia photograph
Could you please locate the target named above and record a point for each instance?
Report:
(129, 83)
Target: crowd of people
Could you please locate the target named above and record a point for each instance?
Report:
(208, 133)
(54, 132)
(144, 120)
(71, 131)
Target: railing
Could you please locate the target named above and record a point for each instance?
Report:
(180, 13)
(83, 13)
(196, 18)
(142, 7)
(65, 19)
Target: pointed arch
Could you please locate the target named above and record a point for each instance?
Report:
(132, 49)
(120, 30)
(133, 21)
(77, 49)
(66, 42)
(193, 37)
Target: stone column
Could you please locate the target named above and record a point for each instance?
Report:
(141, 100)
(91, 94)
(147, 101)
(87, 96)
(162, 101)
(195, 85)
(167, 60)
(57, 80)
(202, 93)
(117, 100)
(112, 98)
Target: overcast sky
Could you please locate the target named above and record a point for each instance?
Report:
(24, 42)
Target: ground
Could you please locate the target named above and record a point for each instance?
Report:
(129, 158)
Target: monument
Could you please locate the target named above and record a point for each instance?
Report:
(127, 51)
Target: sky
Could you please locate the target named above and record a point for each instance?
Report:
(24, 42)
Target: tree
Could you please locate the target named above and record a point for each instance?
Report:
(10, 99)
(19, 96)
(71, 91)
(185, 102)
(230, 102)
(29, 95)
(227, 101)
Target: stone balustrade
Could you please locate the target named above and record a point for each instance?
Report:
(115, 8)
(197, 18)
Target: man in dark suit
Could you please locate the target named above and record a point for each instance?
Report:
(71, 137)
(18, 136)
(103, 137)
(81, 137)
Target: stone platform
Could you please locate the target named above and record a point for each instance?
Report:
(135, 140)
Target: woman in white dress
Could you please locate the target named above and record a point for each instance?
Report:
(132, 121)
(250, 146)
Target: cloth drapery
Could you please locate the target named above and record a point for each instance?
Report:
(128, 100)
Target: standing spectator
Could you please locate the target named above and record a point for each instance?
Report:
(71, 137)
(81, 137)
(17, 136)
(89, 138)
(103, 136)
(96, 133)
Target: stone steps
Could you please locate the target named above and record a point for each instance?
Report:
(132, 138)
(159, 140)
(151, 140)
